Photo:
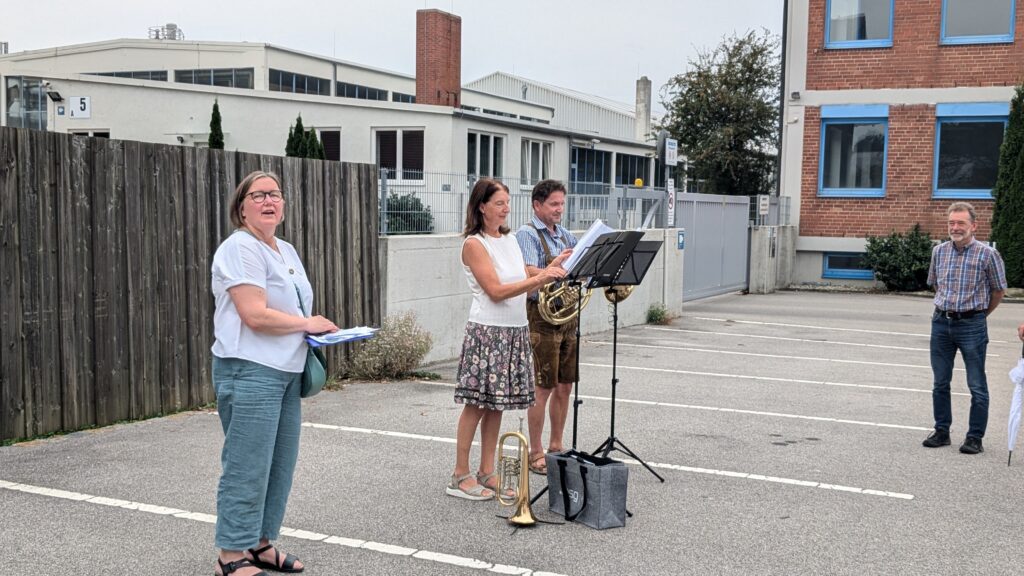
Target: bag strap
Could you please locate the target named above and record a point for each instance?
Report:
(565, 491)
(299, 294)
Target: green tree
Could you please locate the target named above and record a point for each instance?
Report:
(296, 145)
(724, 113)
(314, 149)
(1008, 214)
(216, 139)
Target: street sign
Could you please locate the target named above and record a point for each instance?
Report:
(80, 107)
(670, 187)
(763, 204)
(671, 152)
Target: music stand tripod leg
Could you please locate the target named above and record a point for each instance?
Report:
(576, 381)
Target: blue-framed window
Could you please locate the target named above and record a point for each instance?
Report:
(854, 149)
(845, 266)
(858, 23)
(977, 21)
(967, 142)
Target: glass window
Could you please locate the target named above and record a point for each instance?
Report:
(628, 168)
(846, 265)
(967, 156)
(331, 140)
(483, 154)
(977, 21)
(223, 77)
(412, 155)
(347, 90)
(400, 152)
(243, 78)
(536, 161)
(853, 157)
(281, 81)
(591, 170)
(184, 76)
(399, 97)
(858, 23)
(387, 151)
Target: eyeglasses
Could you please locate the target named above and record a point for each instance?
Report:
(274, 196)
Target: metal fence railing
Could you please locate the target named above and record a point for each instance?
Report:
(436, 204)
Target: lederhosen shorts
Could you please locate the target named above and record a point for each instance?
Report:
(554, 347)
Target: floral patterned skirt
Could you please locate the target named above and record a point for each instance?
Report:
(496, 368)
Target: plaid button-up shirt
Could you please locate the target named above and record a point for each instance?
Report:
(528, 237)
(964, 279)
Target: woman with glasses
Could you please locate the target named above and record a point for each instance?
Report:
(261, 292)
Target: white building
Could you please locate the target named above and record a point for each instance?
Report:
(162, 90)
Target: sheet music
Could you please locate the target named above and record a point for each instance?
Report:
(596, 229)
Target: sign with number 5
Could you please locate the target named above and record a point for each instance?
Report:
(80, 107)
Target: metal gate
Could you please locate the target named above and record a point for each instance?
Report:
(715, 258)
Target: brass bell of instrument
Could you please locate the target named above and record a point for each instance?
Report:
(618, 293)
(556, 302)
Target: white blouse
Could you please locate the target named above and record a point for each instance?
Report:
(244, 259)
(508, 263)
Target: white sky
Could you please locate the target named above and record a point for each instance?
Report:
(595, 46)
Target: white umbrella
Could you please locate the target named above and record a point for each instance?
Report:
(1017, 377)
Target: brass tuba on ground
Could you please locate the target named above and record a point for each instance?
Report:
(556, 302)
(514, 479)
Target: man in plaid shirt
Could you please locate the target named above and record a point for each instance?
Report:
(969, 281)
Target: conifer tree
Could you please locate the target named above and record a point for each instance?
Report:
(1008, 214)
(216, 139)
(296, 145)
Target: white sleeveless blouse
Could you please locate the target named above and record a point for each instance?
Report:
(508, 263)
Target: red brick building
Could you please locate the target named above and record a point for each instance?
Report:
(894, 109)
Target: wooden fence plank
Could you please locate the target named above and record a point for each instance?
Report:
(169, 253)
(42, 321)
(110, 285)
(333, 305)
(74, 279)
(196, 187)
(294, 205)
(12, 381)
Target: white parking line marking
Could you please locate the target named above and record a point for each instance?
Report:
(769, 378)
(776, 479)
(426, 555)
(727, 473)
(835, 342)
(784, 356)
(826, 328)
(705, 408)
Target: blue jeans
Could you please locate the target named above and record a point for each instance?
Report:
(970, 336)
(260, 413)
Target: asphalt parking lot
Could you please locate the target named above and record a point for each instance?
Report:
(788, 428)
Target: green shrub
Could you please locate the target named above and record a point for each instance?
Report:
(406, 214)
(658, 314)
(901, 261)
(394, 352)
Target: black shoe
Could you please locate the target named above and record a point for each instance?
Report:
(937, 438)
(971, 445)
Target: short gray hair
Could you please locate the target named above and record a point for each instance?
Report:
(962, 207)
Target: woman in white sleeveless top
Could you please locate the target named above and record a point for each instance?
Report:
(496, 367)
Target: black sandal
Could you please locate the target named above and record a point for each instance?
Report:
(226, 569)
(278, 566)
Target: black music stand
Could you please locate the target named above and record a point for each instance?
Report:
(619, 259)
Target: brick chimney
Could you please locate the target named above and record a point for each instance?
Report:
(438, 58)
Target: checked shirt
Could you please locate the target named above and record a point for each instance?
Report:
(964, 279)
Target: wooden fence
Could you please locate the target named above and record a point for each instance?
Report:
(105, 249)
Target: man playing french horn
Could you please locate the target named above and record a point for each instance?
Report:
(554, 345)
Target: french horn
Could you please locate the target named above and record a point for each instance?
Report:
(556, 302)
